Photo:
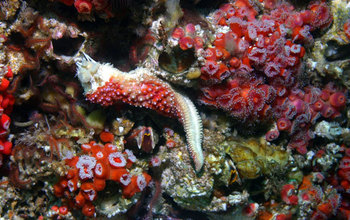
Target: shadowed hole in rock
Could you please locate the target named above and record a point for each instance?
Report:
(18, 41)
(177, 60)
(67, 46)
(335, 52)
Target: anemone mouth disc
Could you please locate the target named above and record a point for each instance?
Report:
(177, 61)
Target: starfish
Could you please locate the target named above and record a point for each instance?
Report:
(106, 85)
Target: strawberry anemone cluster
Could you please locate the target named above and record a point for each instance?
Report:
(347, 28)
(89, 172)
(343, 177)
(268, 50)
(253, 67)
(187, 37)
(251, 99)
(341, 181)
(298, 111)
(6, 104)
(88, 6)
(309, 197)
(320, 202)
(325, 200)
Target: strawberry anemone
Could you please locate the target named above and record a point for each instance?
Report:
(243, 100)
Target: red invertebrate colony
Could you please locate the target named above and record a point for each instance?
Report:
(321, 202)
(288, 194)
(187, 37)
(347, 28)
(250, 210)
(89, 172)
(252, 50)
(6, 104)
(252, 69)
(106, 136)
(83, 6)
(61, 212)
(242, 100)
(326, 200)
(341, 181)
(88, 6)
(299, 110)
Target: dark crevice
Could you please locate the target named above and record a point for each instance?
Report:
(67, 46)
(177, 61)
(335, 52)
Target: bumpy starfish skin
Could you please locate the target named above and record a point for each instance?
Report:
(106, 85)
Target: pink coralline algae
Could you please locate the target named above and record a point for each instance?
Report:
(252, 71)
(6, 104)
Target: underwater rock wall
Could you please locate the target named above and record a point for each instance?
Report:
(174, 109)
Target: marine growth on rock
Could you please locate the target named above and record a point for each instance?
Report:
(174, 109)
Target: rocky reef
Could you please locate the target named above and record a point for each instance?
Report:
(174, 109)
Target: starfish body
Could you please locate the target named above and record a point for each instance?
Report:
(106, 85)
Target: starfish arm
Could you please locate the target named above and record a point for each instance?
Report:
(106, 85)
